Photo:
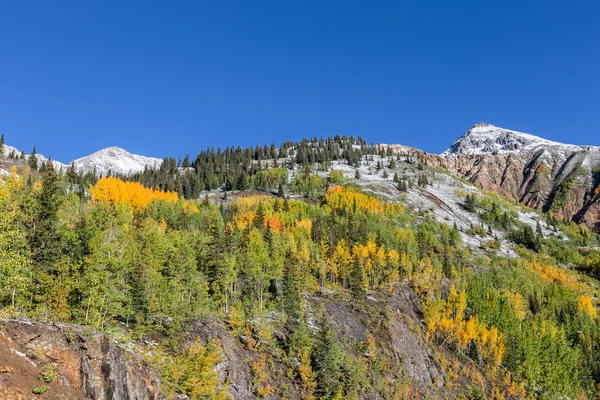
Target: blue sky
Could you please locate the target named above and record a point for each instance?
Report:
(173, 77)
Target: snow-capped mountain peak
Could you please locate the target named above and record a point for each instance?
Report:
(485, 138)
(116, 160)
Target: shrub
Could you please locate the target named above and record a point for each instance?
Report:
(48, 373)
(40, 389)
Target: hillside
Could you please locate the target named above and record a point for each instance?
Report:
(320, 269)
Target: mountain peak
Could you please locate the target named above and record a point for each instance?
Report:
(484, 138)
(481, 125)
(117, 160)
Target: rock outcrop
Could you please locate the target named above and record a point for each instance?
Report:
(558, 178)
(87, 365)
(393, 320)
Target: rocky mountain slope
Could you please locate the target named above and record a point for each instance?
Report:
(63, 361)
(89, 365)
(558, 178)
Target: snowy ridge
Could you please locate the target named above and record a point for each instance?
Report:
(116, 160)
(484, 138)
(8, 150)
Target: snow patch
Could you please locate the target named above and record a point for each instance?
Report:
(17, 352)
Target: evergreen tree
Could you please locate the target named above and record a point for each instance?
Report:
(2, 145)
(292, 299)
(327, 360)
(44, 239)
(280, 192)
(469, 204)
(357, 174)
(72, 176)
(33, 161)
(243, 183)
(186, 162)
(402, 185)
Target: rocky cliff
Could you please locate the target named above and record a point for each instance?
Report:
(62, 361)
(558, 178)
(392, 319)
(88, 365)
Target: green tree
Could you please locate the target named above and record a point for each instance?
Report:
(469, 204)
(32, 160)
(258, 268)
(44, 236)
(327, 360)
(15, 264)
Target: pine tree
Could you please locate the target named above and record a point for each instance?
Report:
(33, 161)
(72, 176)
(300, 352)
(44, 239)
(385, 174)
(402, 185)
(243, 183)
(422, 180)
(469, 204)
(327, 360)
(357, 174)
(186, 162)
(280, 192)
(291, 290)
(2, 145)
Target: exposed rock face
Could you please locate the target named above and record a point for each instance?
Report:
(550, 176)
(565, 188)
(393, 319)
(235, 367)
(402, 338)
(89, 366)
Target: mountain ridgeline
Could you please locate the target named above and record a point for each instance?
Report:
(553, 177)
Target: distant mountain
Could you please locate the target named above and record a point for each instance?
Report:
(113, 159)
(116, 160)
(561, 178)
(485, 138)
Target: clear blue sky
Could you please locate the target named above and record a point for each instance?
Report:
(173, 77)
